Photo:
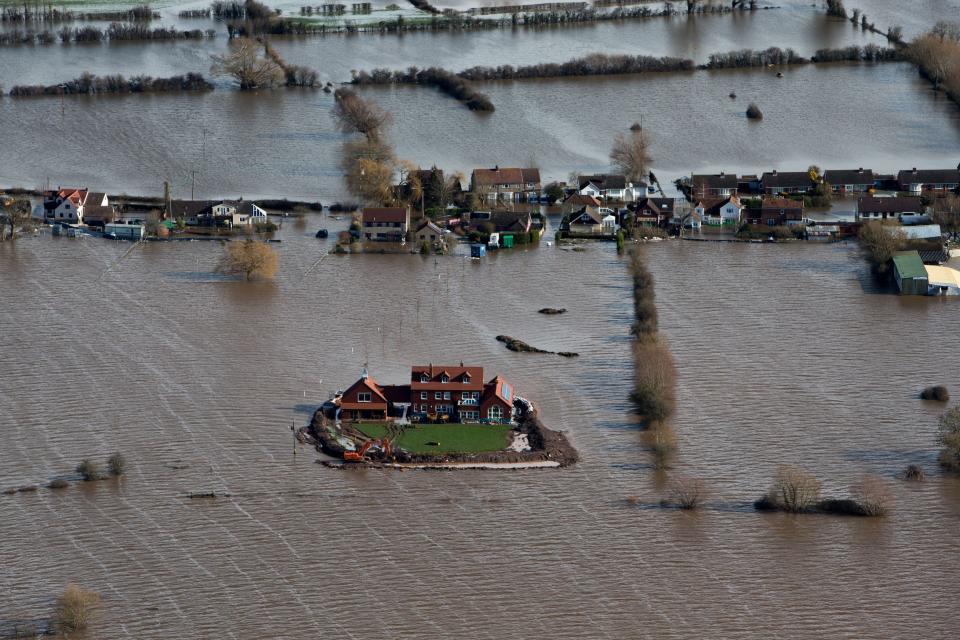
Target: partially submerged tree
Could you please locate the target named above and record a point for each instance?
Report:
(879, 243)
(949, 437)
(631, 154)
(252, 259)
(357, 115)
(248, 66)
(75, 608)
(793, 490)
(15, 217)
(369, 166)
(946, 213)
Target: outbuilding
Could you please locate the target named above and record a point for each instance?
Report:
(910, 273)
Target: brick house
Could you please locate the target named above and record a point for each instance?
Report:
(434, 391)
(775, 212)
(506, 184)
(654, 212)
(385, 224)
(775, 182)
(873, 208)
(843, 181)
(716, 185)
(916, 181)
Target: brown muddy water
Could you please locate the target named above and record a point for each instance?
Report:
(785, 354)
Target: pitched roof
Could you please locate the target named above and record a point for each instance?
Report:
(712, 206)
(429, 224)
(603, 181)
(585, 216)
(498, 176)
(375, 388)
(510, 220)
(189, 208)
(455, 374)
(849, 176)
(783, 179)
(780, 203)
(93, 212)
(715, 181)
(580, 200)
(929, 176)
(905, 204)
(384, 214)
(500, 388)
(660, 205)
(94, 198)
(909, 265)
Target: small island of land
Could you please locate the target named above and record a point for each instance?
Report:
(446, 417)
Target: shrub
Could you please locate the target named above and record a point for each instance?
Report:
(938, 393)
(116, 464)
(89, 470)
(655, 375)
(914, 472)
(58, 483)
(873, 496)
(687, 493)
(879, 244)
(793, 490)
(949, 438)
(75, 608)
(753, 112)
(661, 442)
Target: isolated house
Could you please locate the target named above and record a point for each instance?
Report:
(588, 221)
(216, 213)
(506, 184)
(68, 204)
(364, 400)
(775, 182)
(847, 181)
(916, 181)
(385, 224)
(428, 232)
(715, 185)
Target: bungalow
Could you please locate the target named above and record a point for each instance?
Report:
(874, 208)
(434, 393)
(506, 184)
(844, 181)
(917, 181)
(216, 213)
(610, 187)
(706, 186)
(428, 232)
(775, 182)
(654, 211)
(718, 211)
(385, 224)
(577, 201)
(586, 221)
(775, 212)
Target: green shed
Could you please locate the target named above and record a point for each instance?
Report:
(910, 273)
(507, 242)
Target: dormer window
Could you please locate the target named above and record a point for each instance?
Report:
(444, 378)
(466, 378)
(424, 377)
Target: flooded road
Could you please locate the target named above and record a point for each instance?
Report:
(197, 381)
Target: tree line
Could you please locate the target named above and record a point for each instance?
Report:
(937, 56)
(89, 84)
(781, 57)
(116, 32)
(52, 14)
(447, 82)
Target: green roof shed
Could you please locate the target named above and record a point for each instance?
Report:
(910, 273)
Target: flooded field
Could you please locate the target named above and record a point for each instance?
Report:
(197, 381)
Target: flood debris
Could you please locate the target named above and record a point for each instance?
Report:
(549, 311)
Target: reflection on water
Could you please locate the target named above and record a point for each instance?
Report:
(782, 358)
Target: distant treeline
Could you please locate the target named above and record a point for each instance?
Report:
(50, 14)
(194, 13)
(449, 83)
(116, 32)
(596, 64)
(775, 56)
(89, 84)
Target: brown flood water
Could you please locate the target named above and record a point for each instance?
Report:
(785, 354)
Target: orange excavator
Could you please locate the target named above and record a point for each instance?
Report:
(357, 456)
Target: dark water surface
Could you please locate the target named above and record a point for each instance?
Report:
(785, 354)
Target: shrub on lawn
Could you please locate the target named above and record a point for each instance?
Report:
(116, 464)
(938, 393)
(89, 470)
(75, 608)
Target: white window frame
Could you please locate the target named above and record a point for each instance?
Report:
(364, 394)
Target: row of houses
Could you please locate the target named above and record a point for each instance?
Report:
(393, 224)
(81, 206)
(433, 393)
(523, 184)
(842, 182)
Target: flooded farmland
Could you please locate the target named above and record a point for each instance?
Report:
(197, 380)
(785, 353)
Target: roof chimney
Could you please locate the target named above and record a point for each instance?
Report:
(722, 174)
(914, 169)
(861, 169)
(774, 172)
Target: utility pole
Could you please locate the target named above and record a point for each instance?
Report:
(193, 181)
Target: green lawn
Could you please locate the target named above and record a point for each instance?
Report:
(452, 438)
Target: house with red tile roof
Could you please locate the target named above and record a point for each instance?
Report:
(385, 224)
(506, 184)
(435, 393)
(66, 204)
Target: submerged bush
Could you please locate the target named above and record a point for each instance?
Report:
(660, 440)
(914, 472)
(873, 496)
(75, 608)
(252, 259)
(794, 490)
(116, 464)
(58, 483)
(753, 112)
(686, 493)
(938, 393)
(655, 378)
(949, 437)
(89, 470)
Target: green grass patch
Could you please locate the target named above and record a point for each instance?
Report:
(450, 438)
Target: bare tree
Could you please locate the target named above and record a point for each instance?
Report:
(369, 167)
(879, 244)
(946, 213)
(356, 115)
(13, 218)
(631, 154)
(248, 67)
(794, 489)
